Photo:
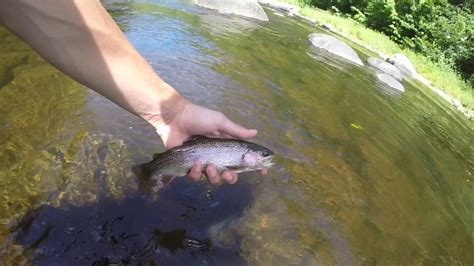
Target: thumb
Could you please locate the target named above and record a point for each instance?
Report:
(237, 131)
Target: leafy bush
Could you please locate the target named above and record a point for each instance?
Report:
(442, 30)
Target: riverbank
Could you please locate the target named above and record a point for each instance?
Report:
(451, 87)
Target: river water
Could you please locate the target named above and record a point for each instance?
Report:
(364, 176)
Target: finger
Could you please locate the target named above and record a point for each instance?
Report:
(263, 172)
(195, 172)
(227, 176)
(237, 131)
(211, 173)
(235, 178)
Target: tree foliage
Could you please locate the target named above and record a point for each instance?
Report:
(442, 30)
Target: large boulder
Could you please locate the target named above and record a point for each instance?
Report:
(335, 46)
(404, 64)
(385, 67)
(246, 8)
(391, 82)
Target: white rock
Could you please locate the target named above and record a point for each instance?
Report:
(391, 82)
(335, 46)
(404, 64)
(385, 67)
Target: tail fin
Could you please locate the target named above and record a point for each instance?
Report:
(143, 171)
(147, 176)
(145, 181)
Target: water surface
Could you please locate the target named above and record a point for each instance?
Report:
(364, 176)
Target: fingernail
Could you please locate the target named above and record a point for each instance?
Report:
(211, 174)
(227, 176)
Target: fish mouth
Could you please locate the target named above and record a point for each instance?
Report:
(267, 161)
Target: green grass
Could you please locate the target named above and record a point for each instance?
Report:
(440, 75)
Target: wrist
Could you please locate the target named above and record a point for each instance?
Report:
(166, 109)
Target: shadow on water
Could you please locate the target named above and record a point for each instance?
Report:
(171, 230)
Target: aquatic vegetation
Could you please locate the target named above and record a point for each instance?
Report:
(39, 108)
(361, 177)
(99, 168)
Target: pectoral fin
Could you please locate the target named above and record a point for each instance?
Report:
(238, 168)
(143, 171)
(234, 167)
(241, 168)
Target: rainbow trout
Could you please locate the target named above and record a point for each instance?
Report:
(226, 154)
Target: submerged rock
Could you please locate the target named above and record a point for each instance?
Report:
(335, 46)
(385, 67)
(391, 82)
(245, 8)
(404, 64)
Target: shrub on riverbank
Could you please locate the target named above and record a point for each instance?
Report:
(440, 72)
(439, 30)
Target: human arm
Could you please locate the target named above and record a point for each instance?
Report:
(82, 40)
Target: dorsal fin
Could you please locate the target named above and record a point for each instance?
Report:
(195, 138)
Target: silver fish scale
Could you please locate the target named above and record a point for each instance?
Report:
(223, 153)
(222, 156)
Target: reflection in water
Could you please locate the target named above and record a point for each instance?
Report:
(362, 177)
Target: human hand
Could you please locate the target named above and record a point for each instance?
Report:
(188, 119)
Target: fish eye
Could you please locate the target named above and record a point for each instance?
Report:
(265, 153)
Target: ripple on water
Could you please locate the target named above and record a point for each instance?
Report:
(362, 177)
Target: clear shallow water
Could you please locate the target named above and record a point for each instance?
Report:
(363, 176)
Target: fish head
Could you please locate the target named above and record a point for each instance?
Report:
(258, 157)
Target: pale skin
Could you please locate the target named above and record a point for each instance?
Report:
(82, 40)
